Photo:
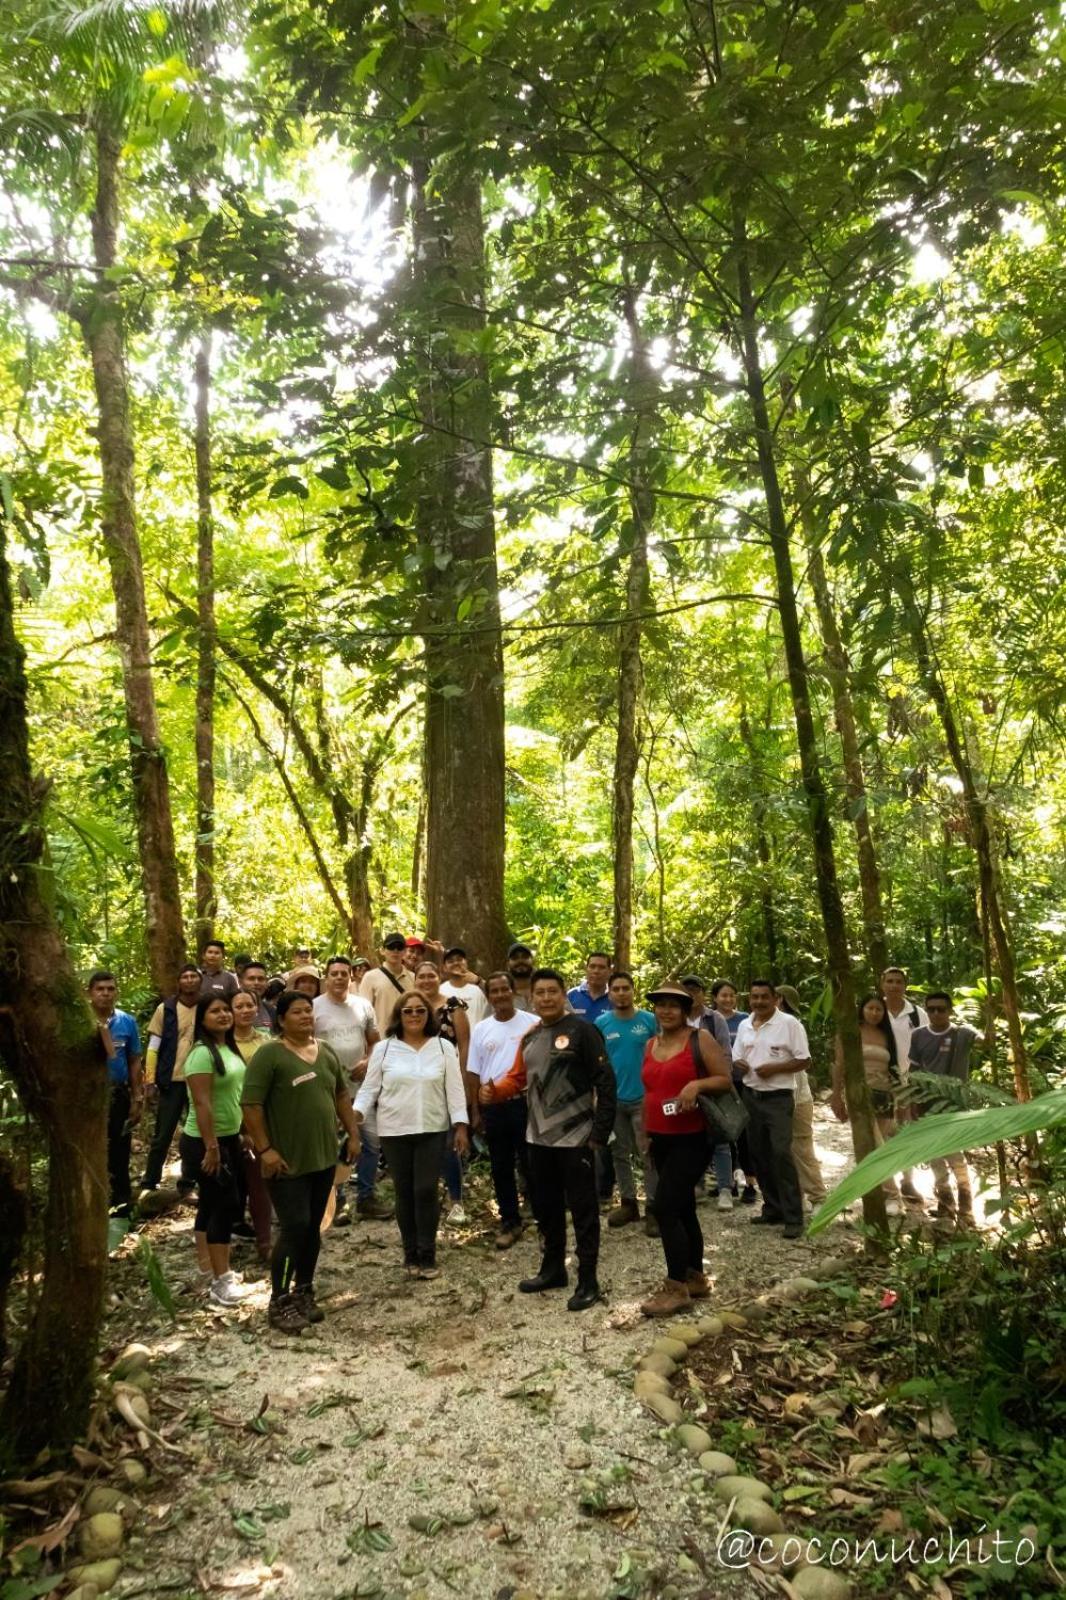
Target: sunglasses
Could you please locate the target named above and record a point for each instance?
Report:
(413, 1011)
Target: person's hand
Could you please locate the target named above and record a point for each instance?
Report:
(136, 1110)
(210, 1163)
(355, 1145)
(358, 1072)
(838, 1108)
(434, 944)
(247, 1142)
(475, 1119)
(461, 1141)
(272, 1163)
(486, 1095)
(686, 1099)
(767, 1070)
(151, 1093)
(106, 1040)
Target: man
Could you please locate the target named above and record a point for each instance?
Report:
(170, 1038)
(520, 967)
(590, 998)
(772, 1046)
(460, 982)
(805, 1156)
(347, 1024)
(360, 968)
(255, 981)
(903, 1017)
(301, 955)
(216, 980)
(944, 1047)
(120, 1041)
(414, 953)
(383, 985)
(241, 964)
(562, 1068)
(493, 1044)
(626, 1032)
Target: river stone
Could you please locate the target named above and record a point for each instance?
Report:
(101, 1498)
(718, 1465)
(695, 1439)
(780, 1552)
(646, 1383)
(831, 1267)
(101, 1536)
(676, 1349)
(133, 1359)
(728, 1486)
(132, 1471)
(663, 1407)
(756, 1516)
(84, 1591)
(820, 1583)
(98, 1575)
(690, 1333)
(755, 1312)
(658, 1362)
(796, 1288)
(732, 1319)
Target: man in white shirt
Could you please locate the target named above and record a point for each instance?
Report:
(772, 1047)
(346, 1022)
(904, 1017)
(493, 1046)
(384, 985)
(460, 982)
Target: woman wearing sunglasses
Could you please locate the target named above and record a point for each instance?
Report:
(414, 1083)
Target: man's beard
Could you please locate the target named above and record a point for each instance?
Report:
(522, 971)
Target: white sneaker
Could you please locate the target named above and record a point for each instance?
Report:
(725, 1200)
(893, 1208)
(456, 1216)
(226, 1291)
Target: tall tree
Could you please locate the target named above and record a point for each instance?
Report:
(206, 648)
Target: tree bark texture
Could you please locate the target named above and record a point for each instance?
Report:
(464, 727)
(829, 897)
(762, 841)
(52, 1053)
(206, 652)
(104, 332)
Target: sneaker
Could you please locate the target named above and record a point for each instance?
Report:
(285, 1314)
(342, 1218)
(509, 1236)
(226, 1291)
(427, 1274)
(304, 1297)
(667, 1301)
(373, 1210)
(625, 1211)
(749, 1196)
(456, 1217)
(725, 1200)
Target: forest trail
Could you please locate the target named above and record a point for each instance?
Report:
(449, 1398)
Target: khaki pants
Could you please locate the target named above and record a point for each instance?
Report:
(957, 1164)
(630, 1150)
(803, 1154)
(884, 1128)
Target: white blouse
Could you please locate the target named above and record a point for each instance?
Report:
(414, 1091)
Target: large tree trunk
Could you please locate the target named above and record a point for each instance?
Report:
(838, 671)
(762, 840)
(464, 737)
(51, 1052)
(829, 898)
(206, 654)
(630, 665)
(103, 328)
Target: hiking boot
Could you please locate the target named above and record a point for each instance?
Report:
(428, 1273)
(749, 1197)
(697, 1284)
(304, 1297)
(793, 1230)
(585, 1295)
(669, 1300)
(285, 1314)
(226, 1291)
(546, 1278)
(651, 1226)
(509, 1235)
(342, 1217)
(373, 1210)
(456, 1217)
(725, 1200)
(625, 1211)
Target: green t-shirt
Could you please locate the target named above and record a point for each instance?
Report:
(299, 1102)
(225, 1089)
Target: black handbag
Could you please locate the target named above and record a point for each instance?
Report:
(724, 1114)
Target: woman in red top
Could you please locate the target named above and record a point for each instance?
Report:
(677, 1135)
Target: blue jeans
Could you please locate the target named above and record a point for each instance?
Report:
(366, 1166)
(723, 1167)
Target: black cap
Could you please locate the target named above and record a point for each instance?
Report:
(519, 949)
(394, 941)
(692, 979)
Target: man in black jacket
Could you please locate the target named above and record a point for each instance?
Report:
(170, 1038)
(562, 1069)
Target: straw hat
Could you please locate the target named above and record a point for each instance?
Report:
(671, 991)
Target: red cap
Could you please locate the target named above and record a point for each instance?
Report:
(413, 942)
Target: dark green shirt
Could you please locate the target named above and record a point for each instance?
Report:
(299, 1101)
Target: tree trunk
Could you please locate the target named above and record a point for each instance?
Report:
(55, 1059)
(104, 332)
(838, 671)
(832, 908)
(464, 730)
(630, 666)
(206, 653)
(762, 842)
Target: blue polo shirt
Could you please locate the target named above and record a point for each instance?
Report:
(587, 1005)
(626, 1038)
(127, 1042)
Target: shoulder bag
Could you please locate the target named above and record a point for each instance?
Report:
(724, 1114)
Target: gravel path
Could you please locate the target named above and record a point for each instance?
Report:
(455, 1399)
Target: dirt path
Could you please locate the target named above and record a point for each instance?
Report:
(456, 1399)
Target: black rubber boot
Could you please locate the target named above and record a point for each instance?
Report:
(586, 1294)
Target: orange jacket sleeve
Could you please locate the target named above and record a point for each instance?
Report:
(512, 1083)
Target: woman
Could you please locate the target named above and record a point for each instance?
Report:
(679, 1065)
(453, 1024)
(306, 980)
(211, 1142)
(247, 1037)
(882, 1075)
(295, 1092)
(414, 1083)
(724, 997)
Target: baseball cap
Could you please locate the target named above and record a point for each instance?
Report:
(394, 941)
(413, 942)
(519, 950)
(696, 983)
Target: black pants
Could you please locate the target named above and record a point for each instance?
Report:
(680, 1160)
(505, 1135)
(770, 1141)
(605, 1174)
(221, 1197)
(299, 1205)
(415, 1163)
(169, 1111)
(563, 1178)
(119, 1144)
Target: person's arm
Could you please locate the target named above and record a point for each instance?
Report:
(594, 1051)
(799, 1060)
(346, 1115)
(510, 1086)
(461, 1024)
(271, 1161)
(200, 1089)
(455, 1095)
(151, 1060)
(370, 1088)
(717, 1077)
(136, 1072)
(837, 1103)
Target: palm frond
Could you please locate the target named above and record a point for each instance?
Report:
(943, 1093)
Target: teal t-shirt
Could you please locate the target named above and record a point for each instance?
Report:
(225, 1089)
(625, 1038)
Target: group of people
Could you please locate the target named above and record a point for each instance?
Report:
(289, 1091)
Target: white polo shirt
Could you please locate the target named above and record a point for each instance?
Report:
(902, 1027)
(779, 1038)
(494, 1045)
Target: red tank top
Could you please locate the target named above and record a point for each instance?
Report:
(664, 1080)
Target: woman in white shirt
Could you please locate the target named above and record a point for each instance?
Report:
(414, 1083)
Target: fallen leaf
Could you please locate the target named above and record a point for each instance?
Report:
(859, 1463)
(795, 1403)
(53, 1536)
(855, 1330)
(844, 1497)
(939, 1424)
